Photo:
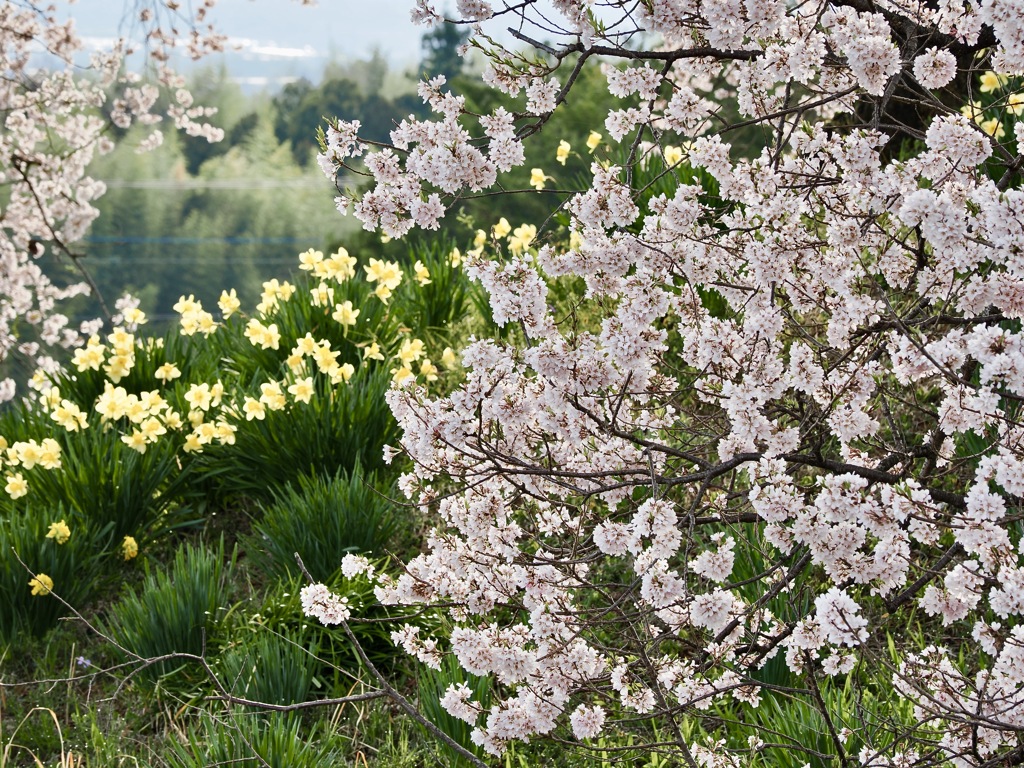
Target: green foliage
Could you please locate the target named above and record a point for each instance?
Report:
(73, 566)
(177, 610)
(270, 668)
(248, 740)
(340, 428)
(322, 519)
(431, 686)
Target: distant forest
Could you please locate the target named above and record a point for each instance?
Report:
(193, 217)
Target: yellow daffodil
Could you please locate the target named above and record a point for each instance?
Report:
(428, 370)
(49, 454)
(129, 548)
(502, 228)
(673, 155)
(562, 153)
(575, 240)
(480, 238)
(136, 441)
(322, 295)
(199, 397)
(226, 433)
(152, 428)
(192, 443)
(134, 316)
(340, 266)
(382, 292)
(1015, 103)
(59, 532)
(973, 111)
(372, 352)
(228, 303)
(991, 81)
(253, 409)
(69, 416)
(302, 390)
(167, 372)
(343, 373)
(994, 128)
(41, 584)
(537, 178)
(398, 375)
(522, 237)
(593, 140)
(422, 273)
(448, 359)
(410, 351)
(309, 259)
(272, 396)
(345, 314)
(91, 356)
(455, 257)
(294, 362)
(384, 273)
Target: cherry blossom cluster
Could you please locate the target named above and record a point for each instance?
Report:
(782, 424)
(53, 127)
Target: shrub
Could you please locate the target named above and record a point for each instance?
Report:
(74, 568)
(268, 667)
(322, 519)
(177, 610)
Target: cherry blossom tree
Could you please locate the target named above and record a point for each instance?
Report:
(56, 119)
(770, 458)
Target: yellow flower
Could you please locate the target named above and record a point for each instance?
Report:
(136, 441)
(575, 240)
(990, 81)
(422, 273)
(382, 292)
(309, 259)
(428, 370)
(134, 316)
(192, 443)
(448, 358)
(254, 409)
(272, 396)
(1015, 103)
(502, 228)
(994, 128)
(398, 375)
(322, 295)
(325, 357)
(41, 584)
(302, 390)
(345, 314)
(69, 416)
(537, 178)
(228, 303)
(673, 155)
(455, 257)
(307, 345)
(167, 372)
(562, 153)
(593, 140)
(294, 362)
(339, 266)
(386, 273)
(372, 352)
(522, 237)
(130, 547)
(410, 351)
(226, 433)
(49, 454)
(480, 239)
(342, 373)
(152, 429)
(59, 532)
(199, 397)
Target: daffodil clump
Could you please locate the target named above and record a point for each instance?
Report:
(1000, 105)
(182, 403)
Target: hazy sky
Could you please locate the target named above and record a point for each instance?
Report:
(349, 27)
